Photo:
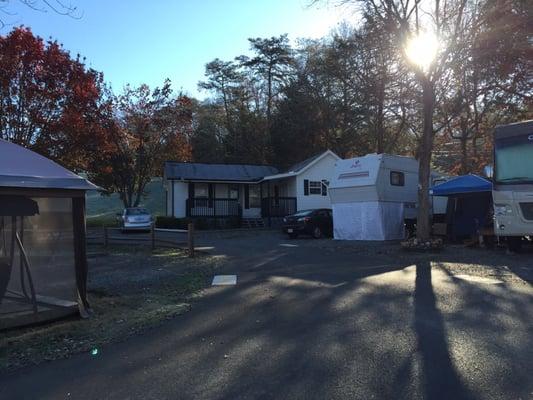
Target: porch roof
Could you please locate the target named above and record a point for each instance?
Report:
(297, 169)
(217, 172)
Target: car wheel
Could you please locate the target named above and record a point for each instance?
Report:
(317, 233)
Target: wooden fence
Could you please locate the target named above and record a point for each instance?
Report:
(156, 237)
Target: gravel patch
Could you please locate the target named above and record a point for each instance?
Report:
(130, 291)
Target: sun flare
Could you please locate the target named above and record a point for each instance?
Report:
(421, 49)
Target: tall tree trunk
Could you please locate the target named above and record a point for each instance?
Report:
(380, 117)
(423, 225)
(266, 151)
(129, 196)
(137, 199)
(379, 131)
(464, 154)
(123, 198)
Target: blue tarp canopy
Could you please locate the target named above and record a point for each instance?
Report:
(462, 184)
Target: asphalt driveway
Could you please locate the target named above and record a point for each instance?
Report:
(322, 319)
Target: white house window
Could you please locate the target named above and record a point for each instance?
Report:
(201, 190)
(233, 192)
(315, 187)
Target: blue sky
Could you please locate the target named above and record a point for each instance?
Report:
(147, 41)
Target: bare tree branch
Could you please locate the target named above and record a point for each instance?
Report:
(56, 6)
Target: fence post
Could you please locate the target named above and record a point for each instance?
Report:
(215, 212)
(153, 237)
(269, 212)
(190, 237)
(105, 237)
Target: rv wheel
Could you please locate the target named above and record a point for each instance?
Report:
(514, 244)
(317, 233)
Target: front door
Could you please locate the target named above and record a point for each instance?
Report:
(252, 201)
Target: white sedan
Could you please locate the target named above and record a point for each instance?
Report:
(136, 218)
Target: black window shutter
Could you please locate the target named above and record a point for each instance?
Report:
(306, 187)
(191, 190)
(246, 196)
(324, 189)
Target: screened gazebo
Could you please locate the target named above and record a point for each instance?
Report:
(43, 263)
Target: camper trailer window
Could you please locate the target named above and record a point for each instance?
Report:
(397, 178)
(315, 187)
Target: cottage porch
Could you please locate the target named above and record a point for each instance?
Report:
(256, 200)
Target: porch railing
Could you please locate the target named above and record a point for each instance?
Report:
(213, 208)
(277, 206)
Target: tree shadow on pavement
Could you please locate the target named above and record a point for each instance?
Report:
(440, 379)
(311, 324)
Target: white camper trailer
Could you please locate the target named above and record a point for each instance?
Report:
(372, 196)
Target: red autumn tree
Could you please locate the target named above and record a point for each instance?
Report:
(147, 128)
(49, 101)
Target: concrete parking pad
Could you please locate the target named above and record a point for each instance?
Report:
(223, 280)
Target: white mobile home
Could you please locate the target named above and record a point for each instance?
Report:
(249, 192)
(372, 196)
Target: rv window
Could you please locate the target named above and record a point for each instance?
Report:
(315, 187)
(397, 178)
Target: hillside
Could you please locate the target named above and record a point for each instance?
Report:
(100, 206)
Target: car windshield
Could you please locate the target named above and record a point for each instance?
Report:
(303, 213)
(514, 159)
(136, 211)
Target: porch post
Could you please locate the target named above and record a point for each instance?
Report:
(261, 200)
(173, 212)
(269, 206)
(214, 191)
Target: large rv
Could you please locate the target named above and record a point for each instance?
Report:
(375, 196)
(512, 191)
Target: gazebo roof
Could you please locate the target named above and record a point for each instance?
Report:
(23, 168)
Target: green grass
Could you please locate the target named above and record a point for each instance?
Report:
(102, 220)
(104, 208)
(118, 314)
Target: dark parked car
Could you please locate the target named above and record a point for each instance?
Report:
(316, 223)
